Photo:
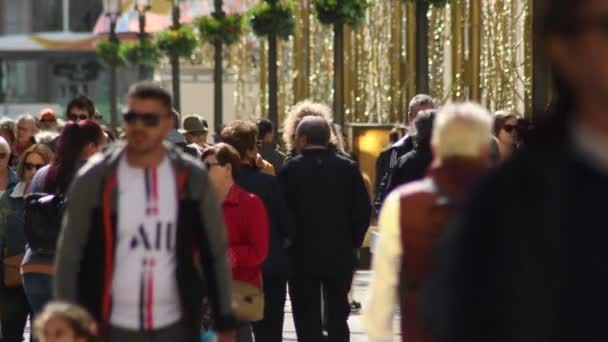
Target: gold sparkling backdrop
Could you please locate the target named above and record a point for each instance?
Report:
(379, 78)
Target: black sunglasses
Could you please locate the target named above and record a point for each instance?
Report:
(30, 166)
(3, 155)
(47, 120)
(509, 128)
(77, 117)
(148, 119)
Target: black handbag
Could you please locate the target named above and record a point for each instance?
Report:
(43, 215)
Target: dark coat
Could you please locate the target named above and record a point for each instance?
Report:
(524, 259)
(386, 162)
(271, 154)
(266, 187)
(411, 167)
(330, 208)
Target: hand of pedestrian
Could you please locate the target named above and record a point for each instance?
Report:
(226, 336)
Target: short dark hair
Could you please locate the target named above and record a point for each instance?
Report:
(265, 127)
(151, 91)
(424, 124)
(83, 102)
(225, 154)
(315, 129)
(241, 134)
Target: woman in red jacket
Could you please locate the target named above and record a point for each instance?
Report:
(246, 221)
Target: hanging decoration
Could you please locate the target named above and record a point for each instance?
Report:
(349, 12)
(434, 3)
(377, 51)
(139, 52)
(277, 18)
(108, 53)
(227, 29)
(182, 41)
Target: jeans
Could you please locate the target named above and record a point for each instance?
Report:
(38, 289)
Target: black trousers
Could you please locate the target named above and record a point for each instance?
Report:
(270, 329)
(14, 309)
(305, 294)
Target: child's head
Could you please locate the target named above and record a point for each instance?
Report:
(62, 322)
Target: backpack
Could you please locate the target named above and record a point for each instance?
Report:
(43, 215)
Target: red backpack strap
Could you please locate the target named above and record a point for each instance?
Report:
(182, 181)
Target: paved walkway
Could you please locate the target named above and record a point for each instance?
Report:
(361, 286)
(357, 333)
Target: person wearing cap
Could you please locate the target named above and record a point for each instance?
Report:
(47, 121)
(195, 129)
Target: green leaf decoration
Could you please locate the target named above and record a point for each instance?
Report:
(228, 29)
(108, 53)
(181, 42)
(141, 52)
(349, 12)
(266, 19)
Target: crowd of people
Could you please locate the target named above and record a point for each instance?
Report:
(490, 228)
(126, 238)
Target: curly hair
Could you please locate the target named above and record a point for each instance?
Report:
(295, 115)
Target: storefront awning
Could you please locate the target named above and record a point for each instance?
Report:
(159, 17)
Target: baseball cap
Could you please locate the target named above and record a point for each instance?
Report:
(47, 113)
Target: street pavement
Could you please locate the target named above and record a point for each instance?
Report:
(357, 333)
(355, 322)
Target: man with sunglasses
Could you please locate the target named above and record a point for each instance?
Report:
(80, 108)
(142, 225)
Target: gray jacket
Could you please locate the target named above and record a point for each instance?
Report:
(84, 266)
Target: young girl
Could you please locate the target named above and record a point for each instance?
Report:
(62, 322)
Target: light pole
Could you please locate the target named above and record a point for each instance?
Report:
(273, 78)
(112, 9)
(141, 7)
(174, 59)
(217, 72)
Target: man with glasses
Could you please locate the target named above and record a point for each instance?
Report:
(132, 254)
(80, 108)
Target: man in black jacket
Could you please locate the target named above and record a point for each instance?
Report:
(331, 210)
(387, 160)
(242, 136)
(413, 165)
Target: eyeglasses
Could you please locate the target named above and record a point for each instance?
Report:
(47, 120)
(509, 128)
(148, 119)
(3, 155)
(77, 117)
(30, 166)
(210, 165)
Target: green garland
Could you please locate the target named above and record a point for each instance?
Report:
(349, 12)
(434, 3)
(181, 41)
(278, 19)
(138, 52)
(108, 53)
(227, 29)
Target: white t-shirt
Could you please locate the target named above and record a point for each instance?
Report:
(144, 289)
